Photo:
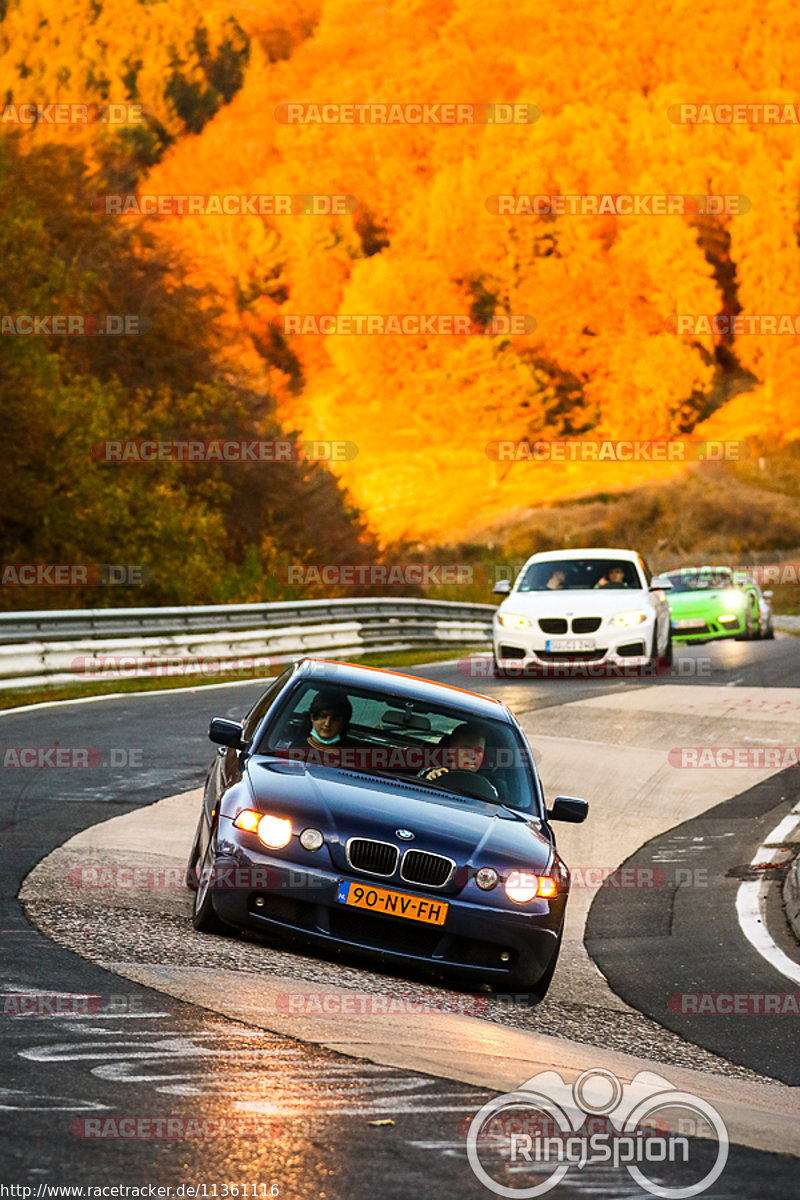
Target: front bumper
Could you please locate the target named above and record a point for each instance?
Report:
(510, 947)
(706, 627)
(616, 650)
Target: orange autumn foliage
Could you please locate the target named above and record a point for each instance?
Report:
(603, 360)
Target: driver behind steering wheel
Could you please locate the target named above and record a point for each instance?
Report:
(468, 745)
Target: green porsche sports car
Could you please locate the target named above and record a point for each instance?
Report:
(713, 602)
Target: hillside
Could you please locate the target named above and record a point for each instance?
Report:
(596, 357)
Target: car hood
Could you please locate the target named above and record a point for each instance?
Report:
(689, 603)
(345, 804)
(595, 602)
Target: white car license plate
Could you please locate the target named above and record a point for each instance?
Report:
(563, 645)
(689, 623)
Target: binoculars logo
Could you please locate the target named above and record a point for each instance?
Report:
(523, 1143)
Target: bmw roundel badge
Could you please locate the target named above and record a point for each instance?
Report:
(405, 834)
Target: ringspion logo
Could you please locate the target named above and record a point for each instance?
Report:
(543, 1131)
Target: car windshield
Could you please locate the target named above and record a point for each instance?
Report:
(373, 732)
(579, 574)
(695, 579)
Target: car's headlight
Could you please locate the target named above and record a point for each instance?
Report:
(732, 599)
(486, 878)
(274, 832)
(247, 820)
(513, 620)
(311, 839)
(630, 618)
(523, 886)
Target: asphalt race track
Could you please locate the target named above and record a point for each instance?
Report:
(304, 1113)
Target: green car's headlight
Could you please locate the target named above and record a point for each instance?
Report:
(630, 618)
(732, 598)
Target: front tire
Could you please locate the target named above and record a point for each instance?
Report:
(204, 918)
(191, 876)
(748, 635)
(537, 993)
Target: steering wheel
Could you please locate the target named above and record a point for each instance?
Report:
(469, 783)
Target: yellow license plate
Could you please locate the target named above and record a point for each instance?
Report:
(392, 904)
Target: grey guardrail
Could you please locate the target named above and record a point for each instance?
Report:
(241, 640)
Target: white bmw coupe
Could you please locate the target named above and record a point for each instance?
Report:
(597, 610)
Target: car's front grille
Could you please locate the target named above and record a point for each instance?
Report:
(553, 625)
(570, 655)
(586, 624)
(432, 870)
(374, 858)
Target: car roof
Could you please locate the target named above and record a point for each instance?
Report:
(586, 552)
(410, 686)
(702, 567)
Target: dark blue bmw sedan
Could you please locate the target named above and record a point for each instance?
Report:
(389, 816)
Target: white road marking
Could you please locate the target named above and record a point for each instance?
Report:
(206, 687)
(751, 897)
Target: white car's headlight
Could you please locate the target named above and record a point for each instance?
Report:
(513, 620)
(630, 618)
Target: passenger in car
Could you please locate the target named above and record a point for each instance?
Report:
(327, 721)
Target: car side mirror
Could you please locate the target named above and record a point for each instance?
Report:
(660, 583)
(502, 587)
(767, 595)
(226, 733)
(568, 808)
